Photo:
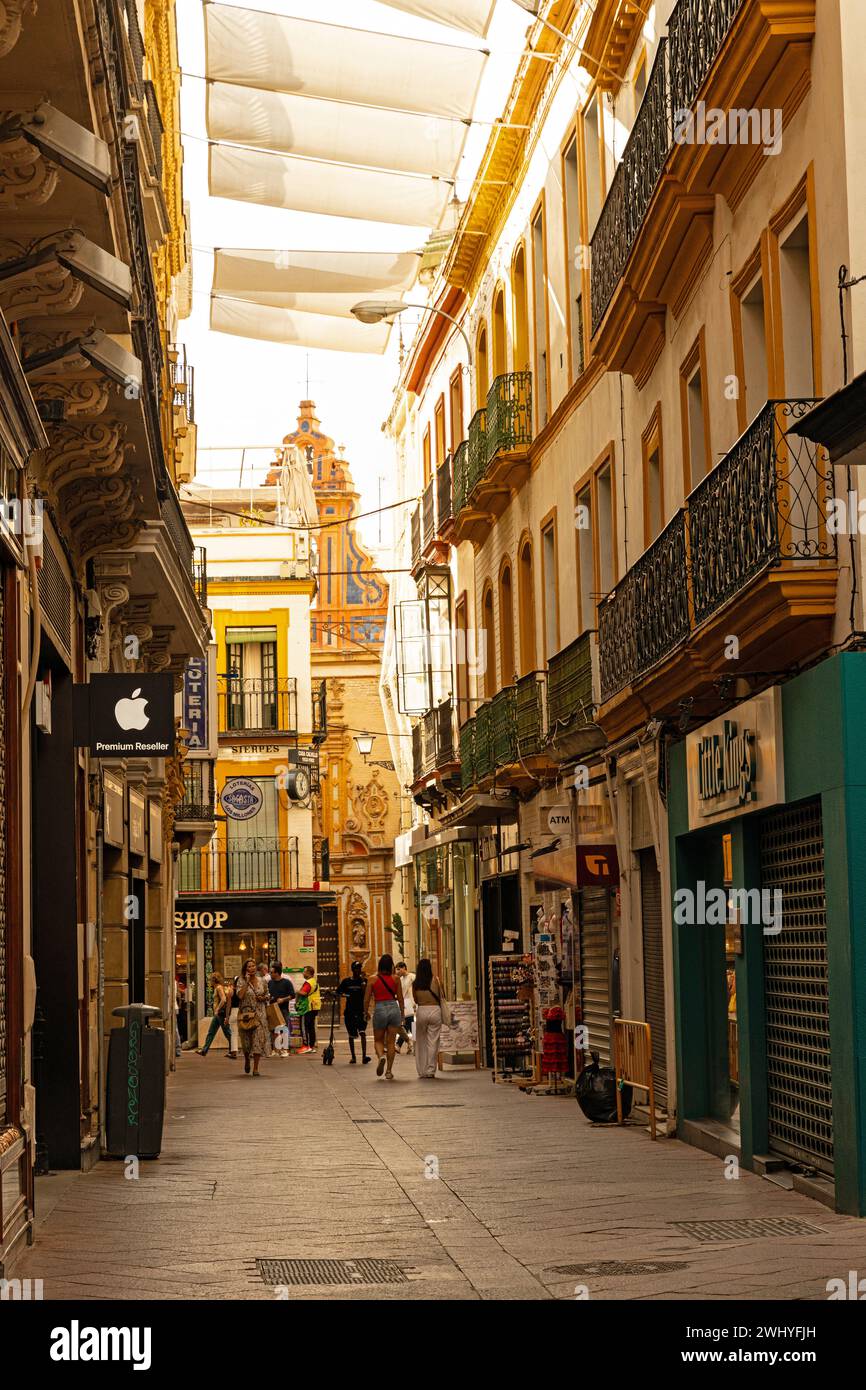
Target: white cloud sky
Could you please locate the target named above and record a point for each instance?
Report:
(247, 392)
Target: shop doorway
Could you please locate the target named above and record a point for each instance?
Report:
(598, 969)
(796, 989)
(654, 968)
(500, 915)
(185, 964)
(137, 932)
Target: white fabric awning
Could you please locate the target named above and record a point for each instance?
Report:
(265, 277)
(472, 15)
(335, 130)
(337, 190)
(317, 282)
(280, 54)
(271, 325)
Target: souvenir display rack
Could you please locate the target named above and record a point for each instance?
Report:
(511, 984)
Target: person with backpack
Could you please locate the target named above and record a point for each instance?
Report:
(385, 991)
(308, 1002)
(219, 1020)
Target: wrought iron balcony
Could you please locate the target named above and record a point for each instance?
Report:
(503, 726)
(461, 476)
(467, 754)
(182, 376)
(257, 705)
(509, 413)
(647, 614)
(569, 686)
(762, 507)
(529, 711)
(484, 760)
(477, 452)
(696, 31)
(258, 864)
(198, 800)
(415, 536)
(428, 513)
(199, 574)
(444, 501)
(433, 741)
(631, 188)
(765, 503)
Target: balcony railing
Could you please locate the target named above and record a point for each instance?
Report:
(433, 741)
(461, 476)
(765, 502)
(415, 536)
(529, 711)
(257, 704)
(477, 453)
(198, 802)
(484, 760)
(428, 513)
(509, 413)
(175, 523)
(697, 30)
(199, 574)
(444, 501)
(647, 615)
(259, 864)
(569, 686)
(182, 375)
(467, 754)
(631, 189)
(503, 727)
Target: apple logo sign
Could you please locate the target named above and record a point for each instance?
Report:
(130, 714)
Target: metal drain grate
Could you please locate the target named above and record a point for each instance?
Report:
(443, 1105)
(366, 1271)
(614, 1267)
(747, 1228)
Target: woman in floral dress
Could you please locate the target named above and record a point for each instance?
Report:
(254, 995)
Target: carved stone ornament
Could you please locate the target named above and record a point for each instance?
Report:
(82, 452)
(370, 806)
(40, 288)
(27, 178)
(356, 915)
(78, 399)
(12, 14)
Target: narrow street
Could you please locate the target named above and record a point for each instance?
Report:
(323, 1163)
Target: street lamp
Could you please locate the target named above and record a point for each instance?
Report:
(377, 311)
(365, 744)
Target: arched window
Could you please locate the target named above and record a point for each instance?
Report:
(500, 341)
(489, 654)
(506, 625)
(526, 593)
(482, 368)
(521, 311)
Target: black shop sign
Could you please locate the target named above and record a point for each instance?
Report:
(126, 715)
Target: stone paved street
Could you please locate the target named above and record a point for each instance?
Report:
(315, 1162)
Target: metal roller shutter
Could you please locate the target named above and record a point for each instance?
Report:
(595, 968)
(654, 968)
(796, 994)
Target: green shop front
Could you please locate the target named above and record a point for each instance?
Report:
(767, 822)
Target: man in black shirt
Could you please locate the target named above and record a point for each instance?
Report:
(353, 989)
(281, 991)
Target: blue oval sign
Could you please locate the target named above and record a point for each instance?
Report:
(241, 798)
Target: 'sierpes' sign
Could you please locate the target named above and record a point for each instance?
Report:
(195, 701)
(126, 715)
(241, 798)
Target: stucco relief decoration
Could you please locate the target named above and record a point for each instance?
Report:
(370, 808)
(12, 14)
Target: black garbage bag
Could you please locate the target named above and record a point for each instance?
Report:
(596, 1093)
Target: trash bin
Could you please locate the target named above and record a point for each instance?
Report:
(135, 1090)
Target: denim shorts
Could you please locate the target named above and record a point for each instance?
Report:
(387, 1014)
